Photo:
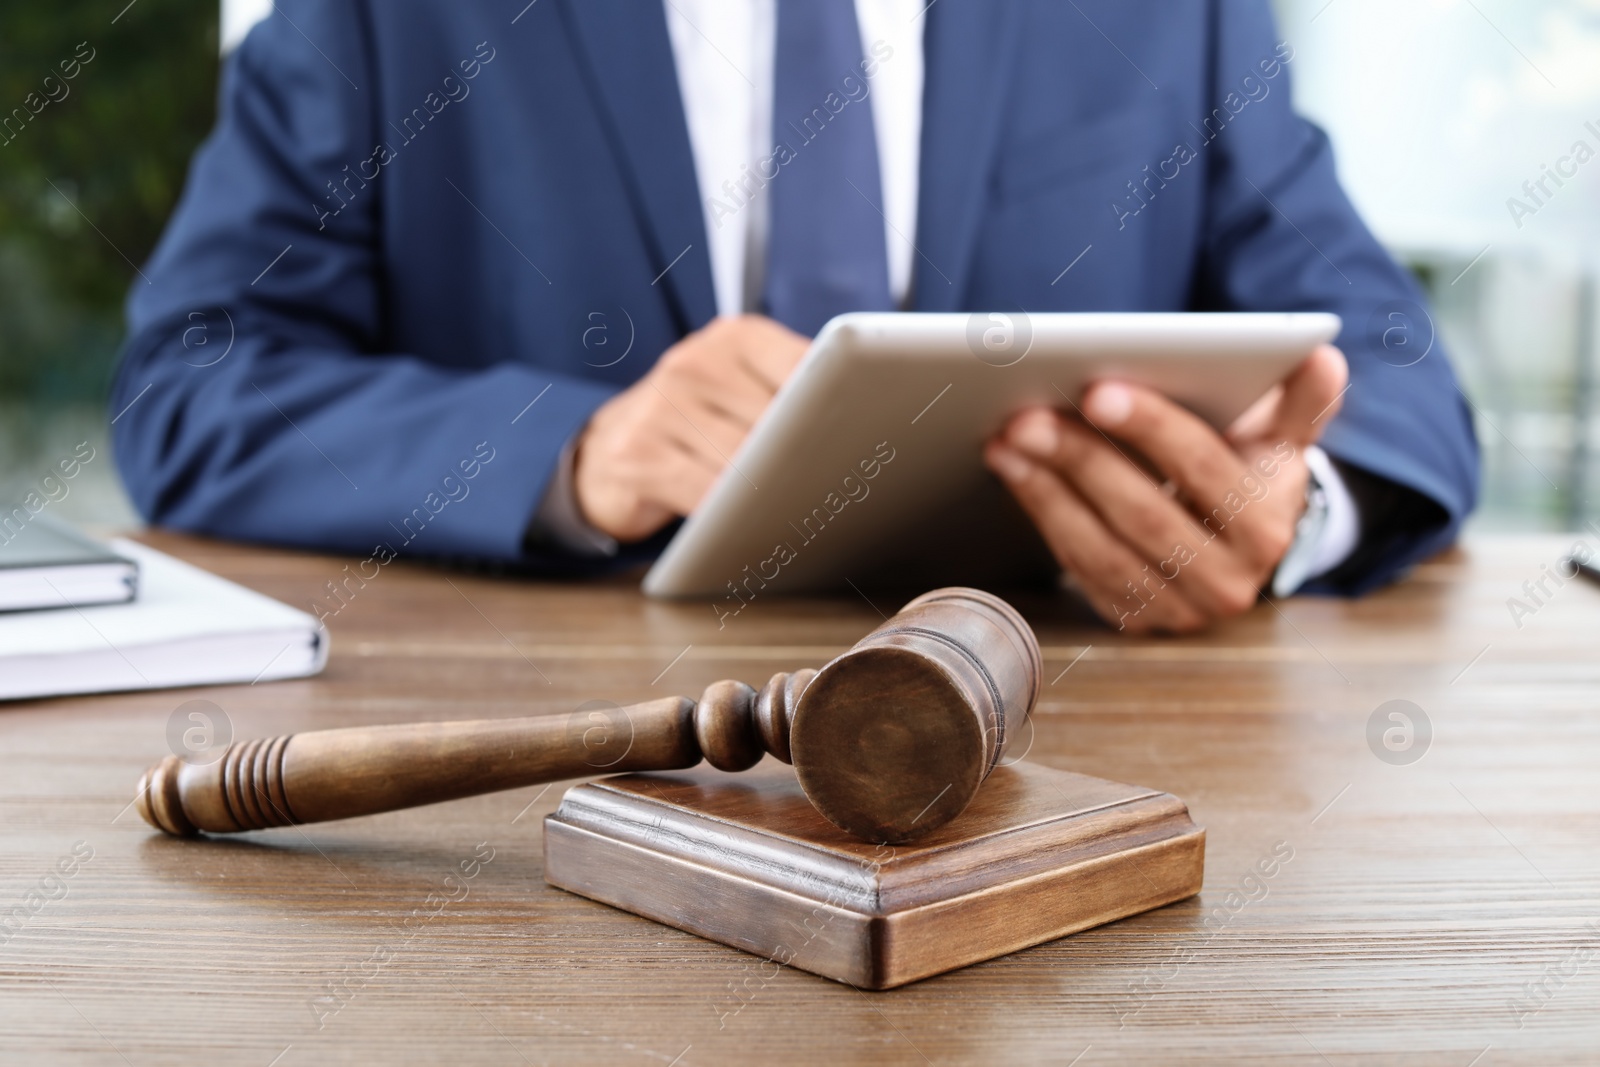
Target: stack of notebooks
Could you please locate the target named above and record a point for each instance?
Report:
(77, 616)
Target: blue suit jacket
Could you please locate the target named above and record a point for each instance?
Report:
(412, 217)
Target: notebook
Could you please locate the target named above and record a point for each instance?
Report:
(48, 564)
(188, 627)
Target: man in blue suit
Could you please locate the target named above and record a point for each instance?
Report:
(513, 280)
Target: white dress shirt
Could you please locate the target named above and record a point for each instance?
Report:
(724, 53)
(724, 50)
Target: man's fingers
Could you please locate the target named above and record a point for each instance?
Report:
(1130, 502)
(1085, 547)
(629, 487)
(734, 365)
(1149, 520)
(775, 351)
(672, 473)
(767, 349)
(703, 430)
(660, 444)
(1258, 418)
(1140, 422)
(726, 385)
(678, 486)
(1197, 459)
(1107, 520)
(1311, 397)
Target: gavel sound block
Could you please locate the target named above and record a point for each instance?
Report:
(890, 742)
(747, 861)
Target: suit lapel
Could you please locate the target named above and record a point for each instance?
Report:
(967, 46)
(628, 58)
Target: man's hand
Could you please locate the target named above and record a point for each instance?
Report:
(650, 453)
(1163, 522)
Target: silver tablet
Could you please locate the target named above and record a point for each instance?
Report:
(867, 469)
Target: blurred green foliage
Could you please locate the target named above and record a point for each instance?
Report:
(89, 169)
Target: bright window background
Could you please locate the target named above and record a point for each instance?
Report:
(1440, 110)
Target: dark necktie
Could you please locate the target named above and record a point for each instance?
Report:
(825, 250)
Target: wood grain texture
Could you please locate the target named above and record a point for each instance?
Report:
(1354, 911)
(1039, 854)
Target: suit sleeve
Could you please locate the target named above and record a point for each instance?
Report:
(257, 396)
(1282, 235)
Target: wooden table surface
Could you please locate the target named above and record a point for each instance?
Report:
(1441, 911)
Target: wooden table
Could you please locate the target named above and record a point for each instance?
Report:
(1444, 911)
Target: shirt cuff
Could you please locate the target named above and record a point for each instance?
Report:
(559, 523)
(1328, 532)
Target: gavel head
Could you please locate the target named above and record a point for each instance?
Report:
(893, 738)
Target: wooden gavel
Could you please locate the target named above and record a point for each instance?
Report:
(889, 741)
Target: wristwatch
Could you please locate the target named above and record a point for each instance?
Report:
(1295, 567)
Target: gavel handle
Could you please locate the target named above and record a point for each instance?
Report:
(336, 774)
